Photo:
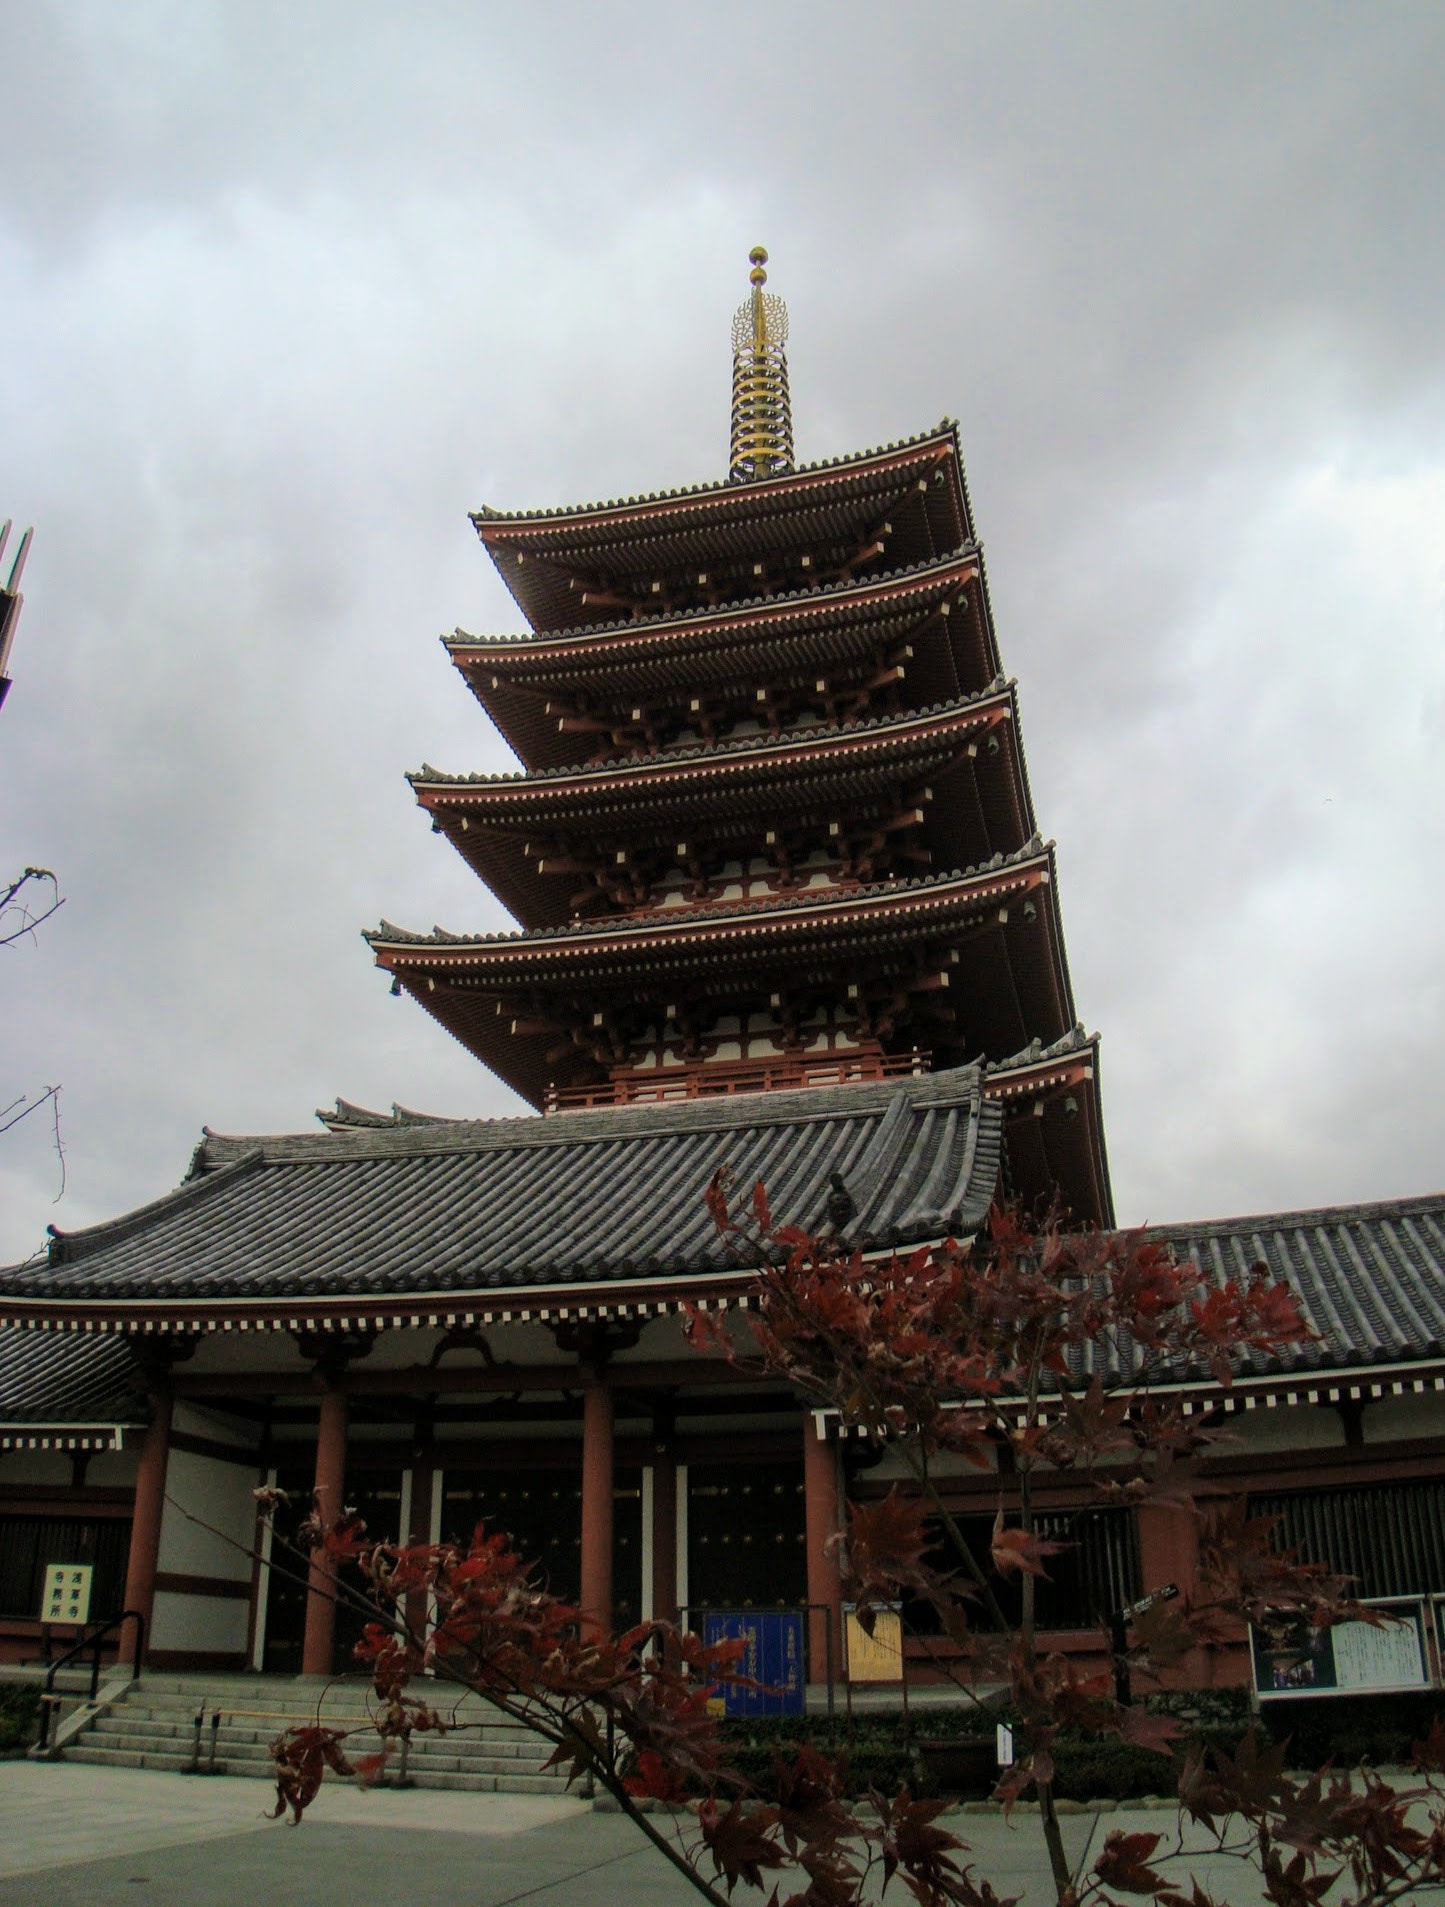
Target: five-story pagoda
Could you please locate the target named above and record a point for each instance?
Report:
(774, 829)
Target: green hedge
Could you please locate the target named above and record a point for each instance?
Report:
(19, 1706)
(1377, 1729)
(1348, 1730)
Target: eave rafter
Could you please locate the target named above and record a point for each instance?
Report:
(1054, 1124)
(730, 540)
(826, 655)
(987, 943)
(858, 800)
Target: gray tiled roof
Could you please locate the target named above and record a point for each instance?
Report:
(1370, 1278)
(785, 905)
(687, 754)
(47, 1378)
(722, 486)
(811, 596)
(513, 1203)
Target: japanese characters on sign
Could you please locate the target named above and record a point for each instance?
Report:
(1290, 1657)
(66, 1596)
(773, 1657)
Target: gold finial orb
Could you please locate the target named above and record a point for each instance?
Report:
(762, 423)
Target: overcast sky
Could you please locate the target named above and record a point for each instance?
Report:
(288, 290)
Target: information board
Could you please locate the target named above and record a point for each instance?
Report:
(66, 1597)
(875, 1658)
(1352, 1658)
(772, 1656)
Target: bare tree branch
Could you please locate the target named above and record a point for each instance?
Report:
(12, 905)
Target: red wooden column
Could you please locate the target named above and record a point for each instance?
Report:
(596, 1597)
(145, 1529)
(418, 1532)
(1169, 1553)
(820, 1500)
(320, 1637)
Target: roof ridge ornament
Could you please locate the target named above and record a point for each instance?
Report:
(762, 420)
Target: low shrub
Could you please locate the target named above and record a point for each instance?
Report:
(1347, 1730)
(19, 1706)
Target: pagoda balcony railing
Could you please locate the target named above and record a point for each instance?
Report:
(722, 1078)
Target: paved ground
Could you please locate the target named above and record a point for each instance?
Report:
(75, 1836)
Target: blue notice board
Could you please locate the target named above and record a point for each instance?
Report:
(773, 1657)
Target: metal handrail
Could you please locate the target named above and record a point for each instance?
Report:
(50, 1701)
(401, 1779)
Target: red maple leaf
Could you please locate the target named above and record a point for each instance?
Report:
(1018, 1550)
(1124, 1864)
(741, 1843)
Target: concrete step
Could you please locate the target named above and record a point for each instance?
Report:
(522, 1750)
(456, 1780)
(153, 1727)
(502, 1739)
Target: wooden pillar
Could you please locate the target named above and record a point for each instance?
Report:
(418, 1531)
(596, 1596)
(820, 1500)
(1169, 1553)
(664, 1533)
(320, 1637)
(145, 1529)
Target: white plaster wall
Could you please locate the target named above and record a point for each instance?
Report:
(201, 1623)
(35, 1466)
(114, 1469)
(1394, 1419)
(220, 1494)
(1286, 1427)
(197, 1421)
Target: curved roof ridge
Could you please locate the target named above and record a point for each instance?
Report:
(1319, 1215)
(1037, 1053)
(348, 1115)
(954, 1085)
(488, 514)
(429, 776)
(387, 933)
(68, 1248)
(815, 592)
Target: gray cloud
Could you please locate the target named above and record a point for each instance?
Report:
(290, 290)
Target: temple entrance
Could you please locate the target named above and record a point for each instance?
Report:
(375, 1493)
(746, 1533)
(541, 1510)
(286, 1579)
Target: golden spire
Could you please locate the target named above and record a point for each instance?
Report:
(762, 433)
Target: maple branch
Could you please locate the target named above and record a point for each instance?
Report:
(29, 921)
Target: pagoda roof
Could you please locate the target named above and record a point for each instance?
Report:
(1028, 867)
(1054, 1122)
(705, 495)
(744, 780)
(1006, 912)
(539, 553)
(419, 1221)
(821, 628)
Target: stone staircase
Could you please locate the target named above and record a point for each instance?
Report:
(152, 1724)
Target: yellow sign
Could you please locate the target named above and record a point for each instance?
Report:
(875, 1658)
(67, 1593)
